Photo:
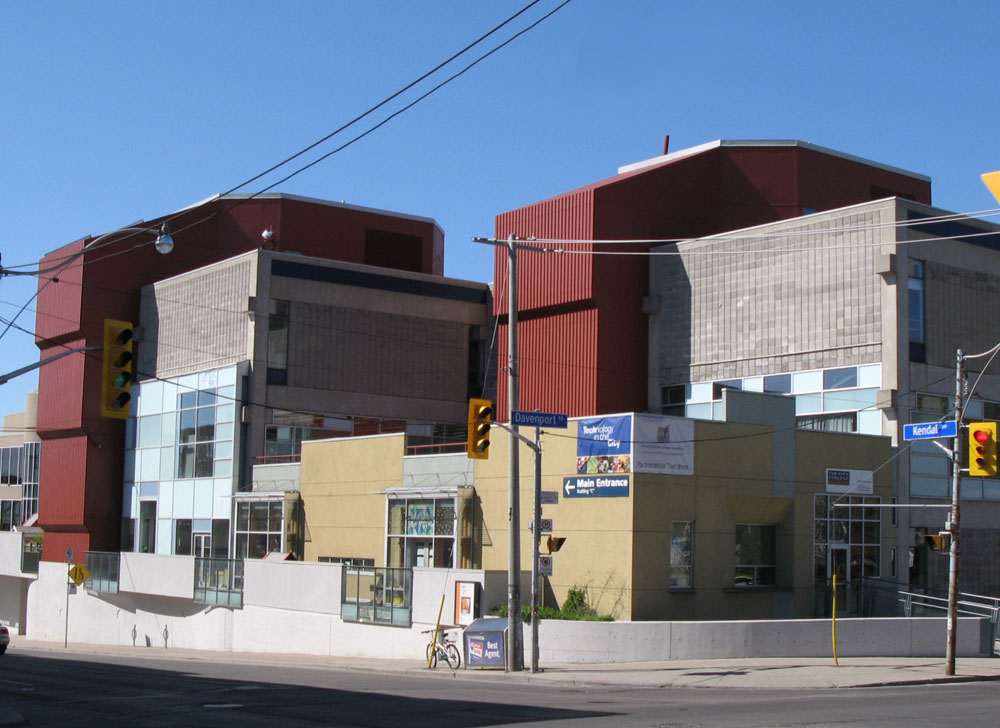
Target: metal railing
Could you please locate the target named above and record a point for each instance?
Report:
(219, 582)
(883, 598)
(104, 568)
(377, 595)
(435, 448)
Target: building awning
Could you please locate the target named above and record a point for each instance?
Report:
(440, 491)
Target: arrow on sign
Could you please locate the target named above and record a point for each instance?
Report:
(569, 487)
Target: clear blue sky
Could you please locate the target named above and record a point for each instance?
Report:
(120, 111)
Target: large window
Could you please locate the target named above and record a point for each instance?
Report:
(755, 555)
(199, 455)
(421, 532)
(259, 528)
(681, 554)
(851, 522)
(19, 467)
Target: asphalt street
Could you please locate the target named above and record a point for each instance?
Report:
(46, 687)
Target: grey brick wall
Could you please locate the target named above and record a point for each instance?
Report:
(736, 307)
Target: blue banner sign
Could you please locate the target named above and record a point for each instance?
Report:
(485, 649)
(521, 418)
(600, 486)
(604, 445)
(929, 430)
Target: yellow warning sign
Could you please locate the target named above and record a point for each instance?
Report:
(79, 573)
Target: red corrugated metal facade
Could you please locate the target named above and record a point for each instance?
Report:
(82, 462)
(601, 361)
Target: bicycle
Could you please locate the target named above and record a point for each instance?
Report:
(445, 648)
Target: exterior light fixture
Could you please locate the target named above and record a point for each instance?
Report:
(164, 240)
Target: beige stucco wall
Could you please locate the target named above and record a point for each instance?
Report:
(339, 481)
(618, 548)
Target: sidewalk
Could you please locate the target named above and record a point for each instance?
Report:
(764, 673)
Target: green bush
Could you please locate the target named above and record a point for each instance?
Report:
(574, 607)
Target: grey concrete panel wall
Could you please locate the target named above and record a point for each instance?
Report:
(372, 352)
(196, 321)
(744, 305)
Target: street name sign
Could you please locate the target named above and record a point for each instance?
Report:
(929, 430)
(550, 497)
(522, 418)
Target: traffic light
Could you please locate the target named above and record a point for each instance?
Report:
(983, 449)
(938, 541)
(554, 543)
(480, 416)
(116, 380)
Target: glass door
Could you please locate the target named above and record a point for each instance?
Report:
(202, 548)
(838, 564)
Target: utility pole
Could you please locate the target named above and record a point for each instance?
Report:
(956, 483)
(515, 630)
(515, 635)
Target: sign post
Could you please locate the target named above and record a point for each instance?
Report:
(69, 560)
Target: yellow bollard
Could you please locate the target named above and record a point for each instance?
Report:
(434, 639)
(833, 621)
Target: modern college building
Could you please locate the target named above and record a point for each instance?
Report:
(665, 518)
(797, 270)
(250, 340)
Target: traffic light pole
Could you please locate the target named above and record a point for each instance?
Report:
(956, 483)
(4, 378)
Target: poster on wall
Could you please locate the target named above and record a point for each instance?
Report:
(855, 482)
(466, 603)
(604, 445)
(663, 445)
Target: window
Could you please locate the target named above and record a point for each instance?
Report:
(845, 422)
(850, 523)
(726, 384)
(778, 383)
(421, 532)
(277, 342)
(755, 555)
(915, 294)
(681, 553)
(672, 400)
(259, 528)
(840, 378)
(353, 562)
(936, 403)
(198, 453)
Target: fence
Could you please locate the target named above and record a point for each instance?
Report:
(219, 582)
(380, 595)
(104, 571)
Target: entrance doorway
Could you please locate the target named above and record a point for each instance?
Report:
(839, 565)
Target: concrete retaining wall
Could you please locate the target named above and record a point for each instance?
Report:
(561, 641)
(294, 608)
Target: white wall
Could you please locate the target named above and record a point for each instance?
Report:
(305, 586)
(286, 612)
(10, 553)
(13, 592)
(169, 576)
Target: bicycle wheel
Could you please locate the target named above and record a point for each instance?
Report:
(432, 655)
(454, 656)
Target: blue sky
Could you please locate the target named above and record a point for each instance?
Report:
(120, 111)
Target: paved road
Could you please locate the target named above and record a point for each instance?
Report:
(48, 688)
